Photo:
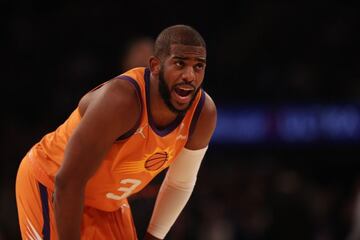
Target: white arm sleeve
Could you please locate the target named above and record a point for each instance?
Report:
(175, 191)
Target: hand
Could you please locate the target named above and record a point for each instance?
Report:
(148, 236)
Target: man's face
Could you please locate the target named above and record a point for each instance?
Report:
(181, 75)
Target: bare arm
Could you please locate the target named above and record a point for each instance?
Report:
(205, 126)
(180, 179)
(106, 114)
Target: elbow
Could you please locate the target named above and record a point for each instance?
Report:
(61, 182)
(67, 190)
(64, 183)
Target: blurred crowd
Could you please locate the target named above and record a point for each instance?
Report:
(258, 52)
(262, 196)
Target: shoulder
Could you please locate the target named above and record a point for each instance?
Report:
(122, 92)
(205, 125)
(208, 111)
(116, 92)
(116, 100)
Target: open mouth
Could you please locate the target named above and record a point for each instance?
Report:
(184, 93)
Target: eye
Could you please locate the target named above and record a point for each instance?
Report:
(179, 64)
(199, 66)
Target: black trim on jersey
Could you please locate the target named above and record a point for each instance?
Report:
(138, 91)
(45, 212)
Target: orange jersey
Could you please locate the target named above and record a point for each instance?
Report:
(37, 218)
(133, 160)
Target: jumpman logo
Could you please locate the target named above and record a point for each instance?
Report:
(140, 131)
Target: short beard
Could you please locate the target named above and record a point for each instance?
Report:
(166, 95)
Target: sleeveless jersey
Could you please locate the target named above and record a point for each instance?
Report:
(133, 160)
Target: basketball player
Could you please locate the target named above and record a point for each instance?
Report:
(74, 183)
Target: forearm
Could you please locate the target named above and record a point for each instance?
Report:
(68, 208)
(170, 202)
(175, 191)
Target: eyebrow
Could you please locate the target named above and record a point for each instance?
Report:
(203, 60)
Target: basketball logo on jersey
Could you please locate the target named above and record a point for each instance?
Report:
(156, 161)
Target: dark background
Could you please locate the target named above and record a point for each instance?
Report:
(259, 53)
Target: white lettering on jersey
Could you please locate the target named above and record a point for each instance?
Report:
(126, 191)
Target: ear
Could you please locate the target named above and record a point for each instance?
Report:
(154, 64)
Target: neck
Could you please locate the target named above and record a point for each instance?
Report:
(160, 112)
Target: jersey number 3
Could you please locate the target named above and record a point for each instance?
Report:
(126, 191)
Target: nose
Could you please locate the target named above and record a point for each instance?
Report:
(188, 74)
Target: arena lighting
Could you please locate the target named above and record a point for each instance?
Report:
(288, 124)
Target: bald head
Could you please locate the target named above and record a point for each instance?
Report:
(177, 34)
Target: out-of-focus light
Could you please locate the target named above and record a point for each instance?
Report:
(290, 124)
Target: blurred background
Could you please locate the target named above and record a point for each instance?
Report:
(284, 160)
